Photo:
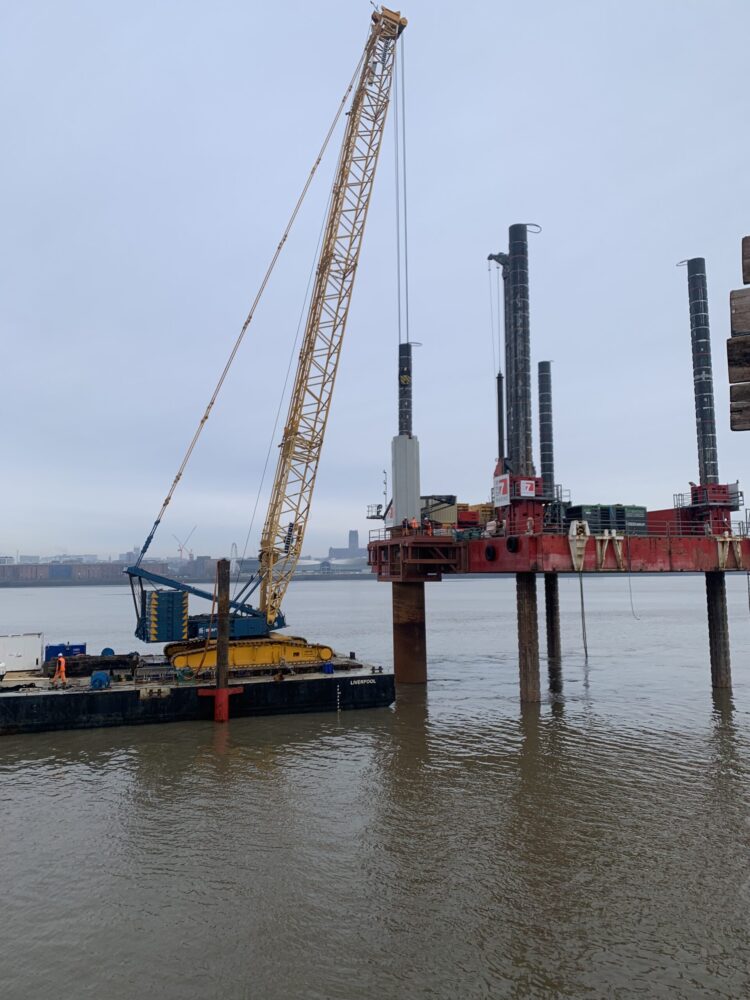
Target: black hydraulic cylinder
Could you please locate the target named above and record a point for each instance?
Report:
(404, 389)
(703, 381)
(546, 440)
(521, 455)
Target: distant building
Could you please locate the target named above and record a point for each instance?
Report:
(65, 573)
(352, 552)
(28, 560)
(7, 560)
(71, 559)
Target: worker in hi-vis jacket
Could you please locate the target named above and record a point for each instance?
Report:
(60, 677)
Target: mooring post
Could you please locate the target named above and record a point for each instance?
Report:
(222, 626)
(409, 635)
(718, 630)
(221, 702)
(528, 637)
(221, 691)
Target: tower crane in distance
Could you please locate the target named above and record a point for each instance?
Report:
(253, 631)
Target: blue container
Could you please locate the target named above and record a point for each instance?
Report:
(66, 648)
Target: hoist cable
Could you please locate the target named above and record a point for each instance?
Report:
(397, 163)
(492, 316)
(630, 579)
(253, 307)
(497, 313)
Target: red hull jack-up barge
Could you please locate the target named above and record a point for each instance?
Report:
(532, 533)
(693, 537)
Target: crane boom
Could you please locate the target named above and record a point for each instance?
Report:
(302, 441)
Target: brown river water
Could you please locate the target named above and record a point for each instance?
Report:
(454, 846)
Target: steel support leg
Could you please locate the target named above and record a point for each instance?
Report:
(552, 616)
(409, 637)
(552, 619)
(718, 630)
(528, 637)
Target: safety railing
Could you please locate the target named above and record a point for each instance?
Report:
(660, 529)
(382, 534)
(737, 529)
(711, 495)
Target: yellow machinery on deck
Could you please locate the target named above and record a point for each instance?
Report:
(246, 654)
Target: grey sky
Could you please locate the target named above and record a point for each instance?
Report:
(152, 153)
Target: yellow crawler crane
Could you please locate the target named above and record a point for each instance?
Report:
(246, 654)
(302, 441)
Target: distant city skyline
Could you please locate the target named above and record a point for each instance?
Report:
(156, 554)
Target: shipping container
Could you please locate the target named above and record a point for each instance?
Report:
(53, 650)
(22, 651)
(624, 518)
(468, 517)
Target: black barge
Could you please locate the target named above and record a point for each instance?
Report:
(29, 705)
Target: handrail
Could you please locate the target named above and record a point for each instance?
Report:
(660, 529)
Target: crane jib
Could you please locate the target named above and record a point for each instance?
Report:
(299, 455)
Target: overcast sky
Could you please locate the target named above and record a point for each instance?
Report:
(152, 152)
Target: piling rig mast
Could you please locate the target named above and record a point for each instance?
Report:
(302, 440)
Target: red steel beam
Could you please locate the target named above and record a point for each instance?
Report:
(422, 558)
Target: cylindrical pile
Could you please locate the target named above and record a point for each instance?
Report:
(700, 334)
(404, 389)
(546, 441)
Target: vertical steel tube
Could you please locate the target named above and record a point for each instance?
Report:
(518, 252)
(510, 369)
(552, 619)
(703, 382)
(404, 390)
(708, 462)
(546, 440)
(222, 627)
(718, 630)
(409, 633)
(547, 462)
(528, 637)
